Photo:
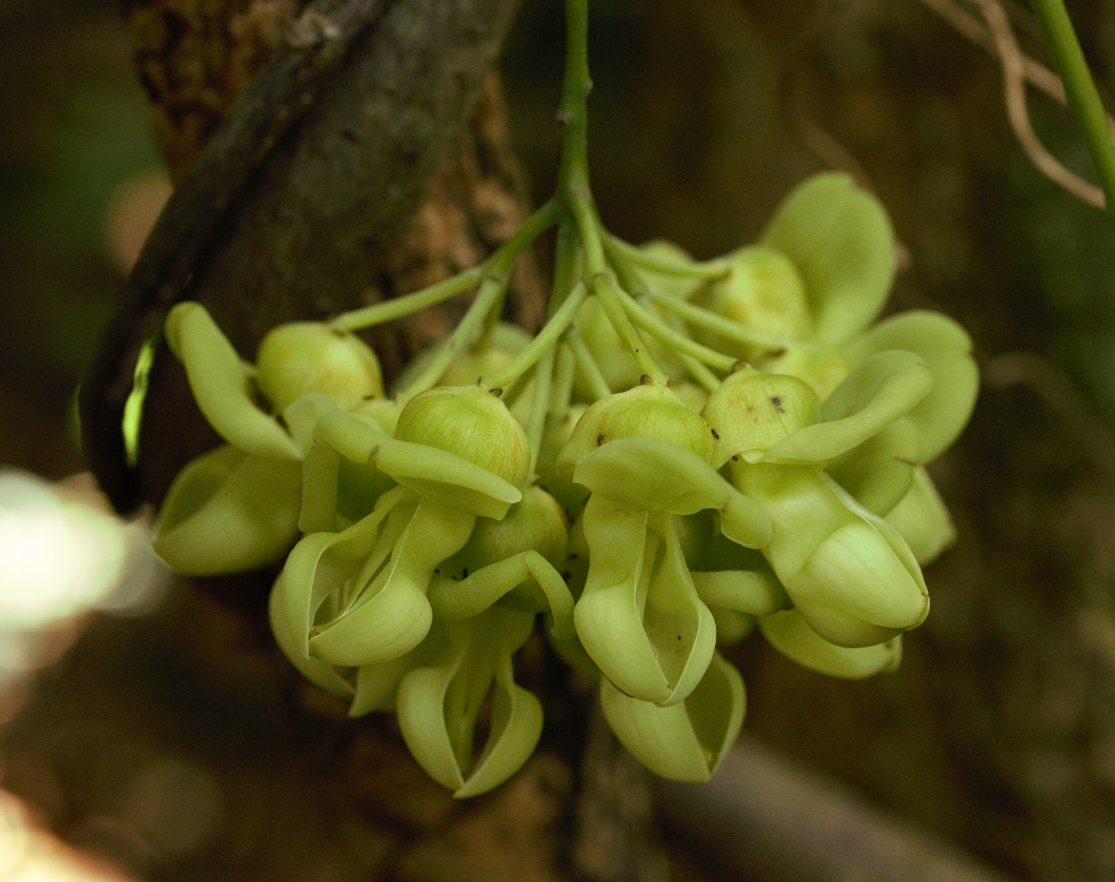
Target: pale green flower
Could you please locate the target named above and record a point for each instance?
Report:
(438, 705)
(645, 458)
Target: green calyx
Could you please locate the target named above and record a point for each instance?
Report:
(752, 411)
(642, 412)
(472, 424)
(303, 357)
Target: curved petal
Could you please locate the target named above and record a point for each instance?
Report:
(390, 614)
(879, 472)
(947, 349)
(446, 478)
(454, 600)
(840, 240)
(855, 590)
(288, 608)
(609, 613)
(378, 684)
(221, 385)
(438, 706)
(790, 634)
(922, 519)
(754, 593)
(685, 741)
(846, 569)
(228, 511)
(640, 618)
(877, 392)
(515, 729)
(649, 474)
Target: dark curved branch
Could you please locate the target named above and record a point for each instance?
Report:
(289, 209)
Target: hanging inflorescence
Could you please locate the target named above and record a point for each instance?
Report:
(686, 451)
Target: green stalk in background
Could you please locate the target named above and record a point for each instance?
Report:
(1083, 99)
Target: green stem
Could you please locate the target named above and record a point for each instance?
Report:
(708, 380)
(543, 341)
(575, 89)
(634, 284)
(673, 339)
(613, 299)
(489, 294)
(1083, 99)
(503, 259)
(718, 324)
(536, 424)
(397, 307)
(664, 264)
(589, 369)
(561, 392)
(498, 266)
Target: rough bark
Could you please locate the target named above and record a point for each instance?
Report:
(296, 204)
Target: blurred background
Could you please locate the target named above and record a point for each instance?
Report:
(999, 731)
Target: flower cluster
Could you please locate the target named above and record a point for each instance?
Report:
(686, 452)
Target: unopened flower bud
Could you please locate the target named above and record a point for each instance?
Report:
(302, 357)
(535, 524)
(472, 424)
(507, 341)
(751, 411)
(764, 291)
(641, 412)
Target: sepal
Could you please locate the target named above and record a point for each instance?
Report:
(300, 357)
(641, 412)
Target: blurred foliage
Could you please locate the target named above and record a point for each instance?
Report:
(74, 128)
